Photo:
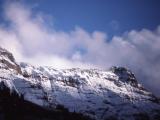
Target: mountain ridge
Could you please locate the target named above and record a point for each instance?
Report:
(101, 95)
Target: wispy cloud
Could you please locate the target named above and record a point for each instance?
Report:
(29, 38)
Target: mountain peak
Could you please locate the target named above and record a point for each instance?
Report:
(7, 54)
(125, 75)
(7, 61)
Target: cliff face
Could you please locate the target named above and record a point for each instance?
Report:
(7, 61)
(101, 95)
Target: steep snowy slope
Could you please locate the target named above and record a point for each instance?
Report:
(112, 94)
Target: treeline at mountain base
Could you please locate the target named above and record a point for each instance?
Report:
(14, 107)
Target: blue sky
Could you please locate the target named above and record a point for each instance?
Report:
(111, 16)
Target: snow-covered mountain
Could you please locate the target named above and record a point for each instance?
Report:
(102, 95)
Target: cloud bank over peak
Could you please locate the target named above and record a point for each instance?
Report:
(29, 37)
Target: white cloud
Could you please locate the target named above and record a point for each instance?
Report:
(30, 38)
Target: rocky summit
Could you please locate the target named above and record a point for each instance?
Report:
(29, 92)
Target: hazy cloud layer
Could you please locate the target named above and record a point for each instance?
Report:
(29, 37)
